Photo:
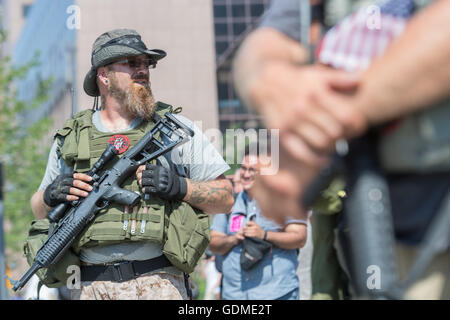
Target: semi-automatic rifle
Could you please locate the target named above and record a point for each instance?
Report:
(71, 219)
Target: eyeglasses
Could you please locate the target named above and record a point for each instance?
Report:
(250, 170)
(137, 63)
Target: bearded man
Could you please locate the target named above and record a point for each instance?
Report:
(122, 236)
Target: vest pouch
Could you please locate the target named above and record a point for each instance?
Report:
(150, 224)
(56, 275)
(187, 236)
(112, 225)
(107, 228)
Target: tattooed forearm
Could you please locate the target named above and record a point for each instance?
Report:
(213, 196)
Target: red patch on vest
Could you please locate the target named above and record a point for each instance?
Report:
(120, 142)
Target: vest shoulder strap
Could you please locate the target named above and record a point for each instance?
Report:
(68, 135)
(162, 108)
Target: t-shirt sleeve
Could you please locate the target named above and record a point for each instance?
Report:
(219, 223)
(54, 168)
(284, 16)
(199, 156)
(296, 221)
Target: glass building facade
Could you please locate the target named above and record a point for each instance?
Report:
(47, 35)
(233, 20)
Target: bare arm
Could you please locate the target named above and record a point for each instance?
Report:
(214, 196)
(39, 208)
(221, 243)
(256, 53)
(414, 72)
(293, 236)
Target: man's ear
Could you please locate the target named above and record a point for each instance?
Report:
(102, 75)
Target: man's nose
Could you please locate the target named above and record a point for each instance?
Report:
(142, 72)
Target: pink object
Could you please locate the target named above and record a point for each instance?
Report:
(236, 223)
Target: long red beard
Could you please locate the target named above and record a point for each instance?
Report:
(140, 101)
(137, 99)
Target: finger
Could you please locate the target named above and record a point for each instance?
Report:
(164, 180)
(140, 169)
(314, 137)
(163, 187)
(82, 176)
(78, 192)
(64, 190)
(301, 151)
(150, 166)
(343, 109)
(147, 182)
(71, 198)
(67, 182)
(150, 190)
(325, 122)
(82, 185)
(149, 173)
(61, 197)
(343, 81)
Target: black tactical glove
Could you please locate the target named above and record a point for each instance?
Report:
(57, 191)
(163, 183)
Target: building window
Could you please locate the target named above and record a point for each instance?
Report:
(238, 10)
(232, 18)
(256, 10)
(221, 29)
(238, 28)
(221, 47)
(220, 11)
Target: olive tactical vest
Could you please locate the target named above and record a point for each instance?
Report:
(82, 145)
(419, 142)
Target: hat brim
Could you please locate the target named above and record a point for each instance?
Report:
(115, 52)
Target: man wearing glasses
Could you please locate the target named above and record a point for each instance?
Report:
(119, 76)
(274, 276)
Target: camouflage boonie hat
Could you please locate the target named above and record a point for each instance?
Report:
(111, 46)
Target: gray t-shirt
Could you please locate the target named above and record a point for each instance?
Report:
(199, 160)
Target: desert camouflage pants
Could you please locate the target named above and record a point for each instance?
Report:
(156, 286)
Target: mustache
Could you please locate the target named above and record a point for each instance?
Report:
(140, 77)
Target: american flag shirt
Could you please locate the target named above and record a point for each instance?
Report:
(357, 40)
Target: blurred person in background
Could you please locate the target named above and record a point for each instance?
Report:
(212, 276)
(274, 276)
(314, 106)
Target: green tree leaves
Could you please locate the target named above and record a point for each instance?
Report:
(22, 147)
